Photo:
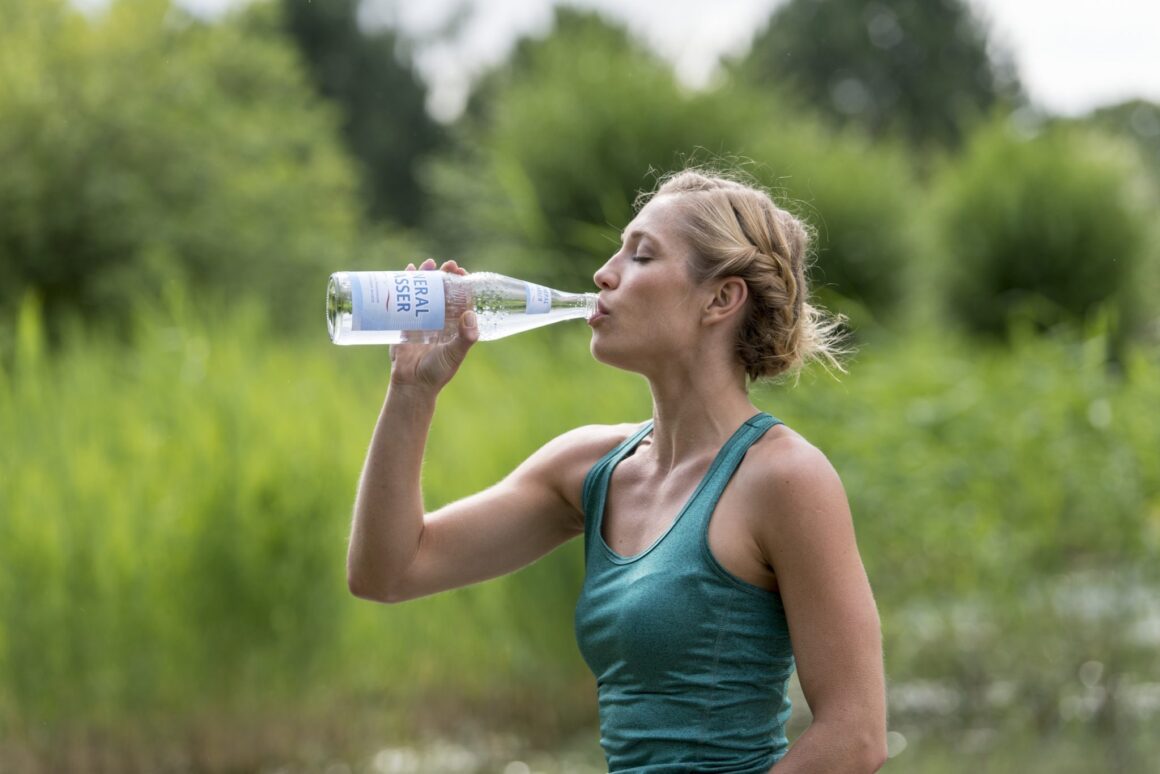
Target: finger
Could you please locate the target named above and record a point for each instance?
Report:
(469, 327)
(453, 267)
(410, 267)
(428, 265)
(456, 349)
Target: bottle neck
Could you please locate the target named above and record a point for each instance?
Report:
(575, 304)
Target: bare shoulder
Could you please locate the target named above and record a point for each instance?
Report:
(795, 507)
(582, 445)
(563, 462)
(786, 470)
(785, 455)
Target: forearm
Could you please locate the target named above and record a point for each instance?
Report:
(825, 748)
(388, 510)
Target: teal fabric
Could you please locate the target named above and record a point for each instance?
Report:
(692, 664)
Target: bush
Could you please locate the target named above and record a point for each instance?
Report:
(175, 517)
(562, 140)
(141, 147)
(549, 166)
(923, 71)
(1052, 228)
(861, 198)
(1137, 121)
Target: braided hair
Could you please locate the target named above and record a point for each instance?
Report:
(737, 230)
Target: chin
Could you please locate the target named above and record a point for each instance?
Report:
(602, 353)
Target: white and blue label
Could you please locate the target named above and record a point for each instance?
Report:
(539, 299)
(396, 300)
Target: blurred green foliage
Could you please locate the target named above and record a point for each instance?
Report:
(174, 499)
(861, 200)
(142, 146)
(366, 74)
(176, 515)
(549, 164)
(1054, 226)
(924, 71)
(1136, 120)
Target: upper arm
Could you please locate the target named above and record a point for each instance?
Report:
(833, 620)
(511, 524)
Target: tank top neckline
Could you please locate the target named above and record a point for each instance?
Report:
(628, 447)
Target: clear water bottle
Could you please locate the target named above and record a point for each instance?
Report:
(388, 307)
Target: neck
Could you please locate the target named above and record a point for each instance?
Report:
(695, 411)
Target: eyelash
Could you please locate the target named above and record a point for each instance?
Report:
(641, 258)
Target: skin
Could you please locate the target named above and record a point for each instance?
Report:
(783, 523)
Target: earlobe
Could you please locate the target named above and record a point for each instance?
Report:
(730, 298)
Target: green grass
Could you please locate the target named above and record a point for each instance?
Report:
(175, 513)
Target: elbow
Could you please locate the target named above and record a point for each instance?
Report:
(858, 748)
(359, 587)
(373, 589)
(874, 752)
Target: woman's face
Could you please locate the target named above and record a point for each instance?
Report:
(648, 310)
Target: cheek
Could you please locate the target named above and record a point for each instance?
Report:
(676, 309)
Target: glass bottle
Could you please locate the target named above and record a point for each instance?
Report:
(389, 307)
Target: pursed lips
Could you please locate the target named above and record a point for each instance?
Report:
(601, 312)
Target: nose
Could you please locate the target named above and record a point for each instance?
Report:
(605, 277)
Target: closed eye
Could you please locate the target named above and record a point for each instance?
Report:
(641, 258)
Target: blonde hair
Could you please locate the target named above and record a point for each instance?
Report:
(736, 230)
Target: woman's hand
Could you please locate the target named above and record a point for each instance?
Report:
(431, 366)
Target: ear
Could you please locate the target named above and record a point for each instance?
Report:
(727, 301)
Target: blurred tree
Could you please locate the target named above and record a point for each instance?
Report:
(861, 196)
(1050, 228)
(557, 142)
(922, 68)
(383, 102)
(1137, 120)
(141, 147)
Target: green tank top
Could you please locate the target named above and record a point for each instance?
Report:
(692, 664)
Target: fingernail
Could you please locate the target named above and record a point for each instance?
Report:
(469, 319)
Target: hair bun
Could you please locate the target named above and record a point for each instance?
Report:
(737, 229)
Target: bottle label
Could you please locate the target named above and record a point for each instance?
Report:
(396, 301)
(539, 299)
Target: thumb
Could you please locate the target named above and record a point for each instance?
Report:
(468, 334)
(469, 327)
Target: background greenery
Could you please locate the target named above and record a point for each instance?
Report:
(180, 443)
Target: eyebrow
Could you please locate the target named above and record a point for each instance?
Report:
(636, 233)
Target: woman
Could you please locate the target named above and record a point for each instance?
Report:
(719, 545)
